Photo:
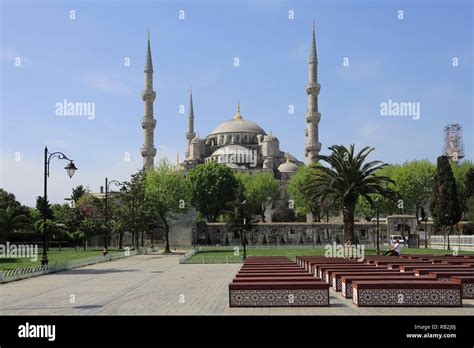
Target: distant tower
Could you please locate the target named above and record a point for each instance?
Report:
(453, 145)
(148, 149)
(190, 135)
(313, 146)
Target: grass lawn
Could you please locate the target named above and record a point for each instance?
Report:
(54, 255)
(218, 255)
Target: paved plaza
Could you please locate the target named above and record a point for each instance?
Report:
(155, 284)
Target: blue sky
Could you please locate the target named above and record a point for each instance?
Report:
(82, 60)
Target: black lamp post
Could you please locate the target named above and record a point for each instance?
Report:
(377, 234)
(70, 169)
(244, 235)
(107, 184)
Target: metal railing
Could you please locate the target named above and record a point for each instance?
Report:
(34, 271)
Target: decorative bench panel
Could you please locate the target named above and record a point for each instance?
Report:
(302, 294)
(397, 293)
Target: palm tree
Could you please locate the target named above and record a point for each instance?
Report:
(348, 178)
(77, 193)
(11, 219)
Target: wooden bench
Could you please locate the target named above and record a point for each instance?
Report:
(266, 270)
(396, 265)
(336, 283)
(446, 275)
(323, 275)
(346, 280)
(281, 294)
(312, 266)
(406, 268)
(406, 293)
(467, 282)
(275, 274)
(424, 271)
(328, 272)
(276, 279)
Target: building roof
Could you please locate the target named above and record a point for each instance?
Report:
(238, 125)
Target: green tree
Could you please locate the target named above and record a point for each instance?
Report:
(213, 186)
(259, 189)
(413, 183)
(77, 193)
(240, 217)
(11, 220)
(464, 176)
(348, 177)
(445, 207)
(319, 207)
(91, 210)
(303, 203)
(141, 217)
(168, 191)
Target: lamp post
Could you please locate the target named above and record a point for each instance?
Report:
(377, 234)
(70, 169)
(107, 184)
(244, 236)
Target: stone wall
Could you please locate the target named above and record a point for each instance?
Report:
(289, 232)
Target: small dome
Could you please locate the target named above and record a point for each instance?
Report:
(287, 167)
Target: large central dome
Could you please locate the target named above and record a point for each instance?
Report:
(238, 125)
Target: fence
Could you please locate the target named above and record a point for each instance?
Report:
(461, 242)
(34, 271)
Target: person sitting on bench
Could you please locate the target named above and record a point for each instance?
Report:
(394, 250)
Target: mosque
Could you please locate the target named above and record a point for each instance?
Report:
(237, 142)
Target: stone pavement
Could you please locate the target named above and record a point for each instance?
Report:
(158, 285)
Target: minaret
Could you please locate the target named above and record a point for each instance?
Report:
(190, 135)
(313, 146)
(148, 149)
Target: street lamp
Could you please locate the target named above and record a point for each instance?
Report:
(377, 245)
(123, 189)
(244, 236)
(70, 169)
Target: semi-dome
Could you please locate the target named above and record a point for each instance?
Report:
(230, 149)
(287, 167)
(238, 125)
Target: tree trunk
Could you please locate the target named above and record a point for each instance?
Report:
(143, 241)
(120, 239)
(449, 232)
(348, 220)
(167, 234)
(84, 245)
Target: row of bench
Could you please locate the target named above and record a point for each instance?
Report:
(274, 281)
(410, 280)
(413, 280)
